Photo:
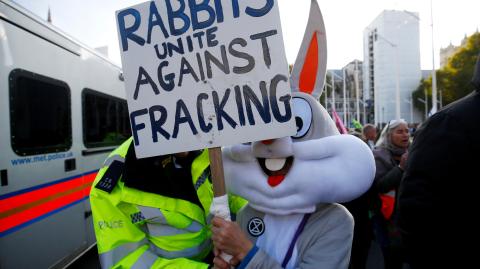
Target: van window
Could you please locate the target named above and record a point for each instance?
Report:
(105, 119)
(40, 114)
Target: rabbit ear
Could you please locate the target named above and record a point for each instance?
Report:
(308, 74)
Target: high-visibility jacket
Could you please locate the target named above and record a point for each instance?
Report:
(138, 229)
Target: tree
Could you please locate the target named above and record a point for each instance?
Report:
(453, 80)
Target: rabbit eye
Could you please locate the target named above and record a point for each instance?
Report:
(303, 116)
(299, 123)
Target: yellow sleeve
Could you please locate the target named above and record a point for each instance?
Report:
(236, 203)
(120, 240)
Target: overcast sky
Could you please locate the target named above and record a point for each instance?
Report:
(93, 23)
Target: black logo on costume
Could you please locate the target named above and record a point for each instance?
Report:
(256, 227)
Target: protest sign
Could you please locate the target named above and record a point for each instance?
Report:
(203, 74)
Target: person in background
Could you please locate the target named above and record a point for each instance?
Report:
(412, 128)
(370, 135)
(390, 160)
(362, 230)
(437, 199)
(356, 134)
(360, 208)
(154, 212)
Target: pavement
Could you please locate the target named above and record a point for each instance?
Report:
(88, 261)
(375, 257)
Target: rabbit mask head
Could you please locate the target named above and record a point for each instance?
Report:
(317, 164)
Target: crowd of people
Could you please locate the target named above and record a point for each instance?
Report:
(417, 206)
(374, 212)
(416, 209)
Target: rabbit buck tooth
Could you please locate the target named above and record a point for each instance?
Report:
(275, 164)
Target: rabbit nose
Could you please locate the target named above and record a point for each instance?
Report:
(268, 141)
(273, 148)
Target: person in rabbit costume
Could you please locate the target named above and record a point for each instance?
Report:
(293, 183)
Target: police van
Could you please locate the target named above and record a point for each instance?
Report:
(62, 110)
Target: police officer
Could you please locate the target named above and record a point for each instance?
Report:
(153, 212)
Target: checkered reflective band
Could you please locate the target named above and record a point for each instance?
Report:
(203, 177)
(137, 217)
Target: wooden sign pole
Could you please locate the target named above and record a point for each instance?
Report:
(216, 167)
(218, 180)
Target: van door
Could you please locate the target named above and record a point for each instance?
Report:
(105, 126)
(41, 212)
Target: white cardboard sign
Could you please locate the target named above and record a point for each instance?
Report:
(202, 74)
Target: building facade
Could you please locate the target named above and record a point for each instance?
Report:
(391, 63)
(346, 91)
(447, 52)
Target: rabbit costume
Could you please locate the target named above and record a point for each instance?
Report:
(293, 183)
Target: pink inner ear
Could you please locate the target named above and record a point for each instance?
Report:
(308, 75)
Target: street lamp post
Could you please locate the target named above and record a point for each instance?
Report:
(441, 99)
(397, 87)
(349, 117)
(426, 105)
(362, 102)
(397, 82)
(357, 97)
(333, 90)
(383, 115)
(344, 98)
(364, 111)
(434, 74)
(411, 107)
(326, 96)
